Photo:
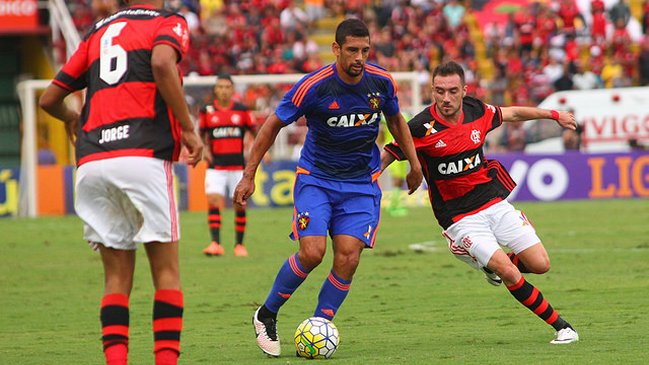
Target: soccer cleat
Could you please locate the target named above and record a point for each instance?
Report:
(491, 277)
(565, 335)
(214, 249)
(266, 332)
(240, 250)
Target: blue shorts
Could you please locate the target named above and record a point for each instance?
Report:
(349, 208)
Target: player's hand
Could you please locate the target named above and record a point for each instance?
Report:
(567, 120)
(194, 147)
(414, 178)
(71, 126)
(243, 191)
(207, 156)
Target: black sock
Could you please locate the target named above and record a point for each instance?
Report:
(266, 313)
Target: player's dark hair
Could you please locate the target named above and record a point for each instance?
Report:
(449, 68)
(351, 27)
(224, 76)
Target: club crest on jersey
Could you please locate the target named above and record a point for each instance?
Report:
(475, 136)
(235, 118)
(374, 100)
(303, 220)
(459, 166)
(178, 29)
(353, 120)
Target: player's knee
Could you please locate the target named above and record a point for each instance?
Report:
(310, 257)
(540, 266)
(349, 261)
(508, 272)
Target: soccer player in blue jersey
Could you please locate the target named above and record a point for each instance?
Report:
(335, 189)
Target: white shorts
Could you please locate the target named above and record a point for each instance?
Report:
(127, 200)
(475, 238)
(218, 181)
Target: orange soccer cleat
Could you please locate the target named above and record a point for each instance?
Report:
(214, 249)
(240, 250)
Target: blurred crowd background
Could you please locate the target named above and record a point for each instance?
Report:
(514, 53)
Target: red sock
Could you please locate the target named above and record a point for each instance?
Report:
(167, 325)
(114, 322)
(116, 355)
(166, 357)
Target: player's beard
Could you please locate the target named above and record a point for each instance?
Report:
(353, 73)
(450, 114)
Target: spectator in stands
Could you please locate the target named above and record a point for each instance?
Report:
(513, 137)
(292, 18)
(598, 22)
(553, 70)
(193, 23)
(568, 13)
(525, 24)
(498, 87)
(314, 9)
(612, 73)
(584, 79)
(454, 13)
(565, 81)
(620, 11)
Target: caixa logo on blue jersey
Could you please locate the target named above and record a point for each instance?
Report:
(462, 165)
(353, 120)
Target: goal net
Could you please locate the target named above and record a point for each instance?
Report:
(260, 92)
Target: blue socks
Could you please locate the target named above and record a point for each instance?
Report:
(333, 293)
(288, 279)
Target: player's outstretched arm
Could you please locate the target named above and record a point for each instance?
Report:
(264, 139)
(167, 79)
(524, 113)
(401, 132)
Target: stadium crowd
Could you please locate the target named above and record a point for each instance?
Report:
(548, 46)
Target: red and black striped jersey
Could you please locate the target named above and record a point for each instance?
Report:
(460, 180)
(124, 113)
(225, 129)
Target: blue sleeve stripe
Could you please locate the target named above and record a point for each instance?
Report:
(308, 82)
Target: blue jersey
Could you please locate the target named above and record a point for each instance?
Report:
(343, 121)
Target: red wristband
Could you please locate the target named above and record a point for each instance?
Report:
(555, 114)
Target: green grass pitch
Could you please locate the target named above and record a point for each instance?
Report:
(404, 307)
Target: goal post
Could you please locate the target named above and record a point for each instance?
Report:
(410, 99)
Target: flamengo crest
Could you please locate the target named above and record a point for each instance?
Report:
(475, 136)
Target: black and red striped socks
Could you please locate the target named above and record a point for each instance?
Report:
(214, 222)
(533, 299)
(114, 318)
(167, 325)
(239, 226)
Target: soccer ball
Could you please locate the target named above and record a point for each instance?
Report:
(316, 338)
